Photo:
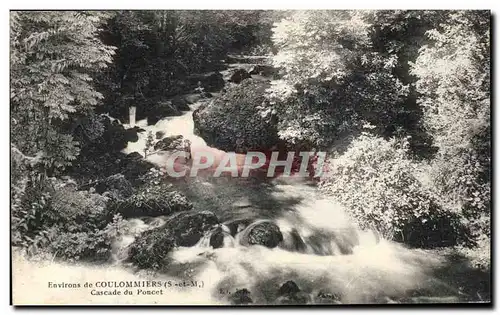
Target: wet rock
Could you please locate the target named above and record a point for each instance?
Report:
(114, 137)
(237, 226)
(153, 203)
(327, 297)
(217, 238)
(150, 249)
(169, 143)
(159, 135)
(159, 109)
(241, 297)
(213, 82)
(290, 294)
(134, 156)
(239, 75)
(137, 129)
(289, 287)
(117, 185)
(263, 70)
(189, 227)
(266, 233)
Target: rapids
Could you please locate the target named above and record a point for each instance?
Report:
(322, 250)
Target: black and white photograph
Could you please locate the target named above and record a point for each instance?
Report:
(249, 158)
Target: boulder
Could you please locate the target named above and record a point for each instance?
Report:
(131, 135)
(159, 109)
(169, 143)
(134, 156)
(138, 129)
(239, 75)
(116, 184)
(290, 294)
(153, 202)
(266, 233)
(241, 297)
(232, 121)
(150, 249)
(159, 135)
(217, 238)
(213, 82)
(327, 297)
(263, 70)
(189, 227)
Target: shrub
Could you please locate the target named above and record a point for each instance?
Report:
(378, 184)
(153, 201)
(92, 245)
(53, 216)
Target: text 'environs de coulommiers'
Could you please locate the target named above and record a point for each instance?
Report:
(127, 284)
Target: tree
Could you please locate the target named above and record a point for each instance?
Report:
(333, 78)
(453, 72)
(53, 57)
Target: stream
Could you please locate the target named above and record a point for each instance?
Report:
(322, 252)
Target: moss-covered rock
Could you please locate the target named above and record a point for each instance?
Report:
(169, 143)
(239, 75)
(266, 233)
(189, 227)
(241, 297)
(151, 248)
(290, 294)
(232, 121)
(116, 184)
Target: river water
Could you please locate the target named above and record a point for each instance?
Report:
(323, 251)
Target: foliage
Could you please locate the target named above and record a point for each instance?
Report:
(332, 77)
(92, 245)
(53, 57)
(56, 217)
(378, 184)
(158, 50)
(453, 72)
(153, 200)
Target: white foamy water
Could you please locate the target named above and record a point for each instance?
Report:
(322, 249)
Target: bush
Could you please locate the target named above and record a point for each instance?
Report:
(153, 201)
(378, 184)
(53, 216)
(94, 245)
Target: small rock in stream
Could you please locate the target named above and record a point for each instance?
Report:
(241, 297)
(290, 294)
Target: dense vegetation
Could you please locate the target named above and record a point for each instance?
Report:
(400, 100)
